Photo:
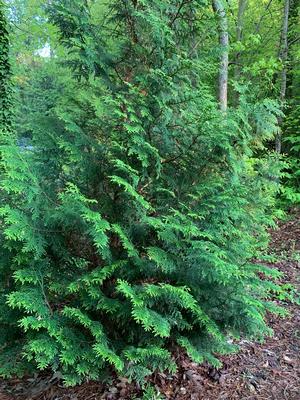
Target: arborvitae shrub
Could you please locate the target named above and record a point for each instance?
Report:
(135, 212)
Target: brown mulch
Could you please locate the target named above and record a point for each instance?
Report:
(260, 371)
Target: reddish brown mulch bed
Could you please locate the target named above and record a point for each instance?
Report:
(258, 372)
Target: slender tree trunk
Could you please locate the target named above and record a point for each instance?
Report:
(220, 11)
(283, 55)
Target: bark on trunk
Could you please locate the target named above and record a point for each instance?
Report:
(220, 11)
(283, 55)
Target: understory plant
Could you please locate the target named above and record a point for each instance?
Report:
(131, 218)
(291, 187)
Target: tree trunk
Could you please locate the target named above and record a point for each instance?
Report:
(283, 55)
(220, 11)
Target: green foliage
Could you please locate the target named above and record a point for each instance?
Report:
(151, 393)
(5, 88)
(291, 189)
(136, 209)
(291, 127)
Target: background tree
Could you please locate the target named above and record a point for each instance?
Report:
(5, 91)
(283, 56)
(291, 140)
(220, 11)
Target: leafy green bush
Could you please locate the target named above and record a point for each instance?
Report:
(291, 187)
(151, 393)
(133, 217)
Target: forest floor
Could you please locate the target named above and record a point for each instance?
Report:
(260, 371)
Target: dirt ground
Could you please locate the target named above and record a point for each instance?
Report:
(258, 372)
